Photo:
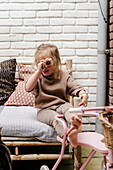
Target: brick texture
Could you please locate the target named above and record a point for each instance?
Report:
(110, 82)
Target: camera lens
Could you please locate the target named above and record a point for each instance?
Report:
(48, 63)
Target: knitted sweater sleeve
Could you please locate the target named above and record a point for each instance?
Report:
(72, 87)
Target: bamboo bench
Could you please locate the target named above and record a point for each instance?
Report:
(21, 148)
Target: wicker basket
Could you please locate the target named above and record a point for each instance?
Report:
(107, 125)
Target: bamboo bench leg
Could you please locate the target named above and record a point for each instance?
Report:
(77, 158)
(16, 150)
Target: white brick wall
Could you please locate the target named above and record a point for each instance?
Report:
(72, 25)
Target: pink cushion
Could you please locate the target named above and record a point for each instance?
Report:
(24, 71)
(20, 97)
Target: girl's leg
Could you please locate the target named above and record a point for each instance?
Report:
(48, 116)
(73, 121)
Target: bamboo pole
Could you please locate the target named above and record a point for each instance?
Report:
(69, 65)
(29, 143)
(75, 101)
(39, 157)
(16, 150)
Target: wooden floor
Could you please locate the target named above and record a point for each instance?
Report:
(95, 163)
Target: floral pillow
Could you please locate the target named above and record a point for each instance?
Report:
(7, 77)
(20, 97)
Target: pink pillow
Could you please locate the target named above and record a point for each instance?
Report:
(20, 97)
(24, 71)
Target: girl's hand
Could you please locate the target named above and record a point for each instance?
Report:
(40, 66)
(83, 95)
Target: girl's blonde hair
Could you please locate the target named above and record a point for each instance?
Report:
(52, 51)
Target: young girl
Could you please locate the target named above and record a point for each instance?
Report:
(51, 85)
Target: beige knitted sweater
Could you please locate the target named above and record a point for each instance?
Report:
(49, 91)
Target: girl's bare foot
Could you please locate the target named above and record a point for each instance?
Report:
(73, 131)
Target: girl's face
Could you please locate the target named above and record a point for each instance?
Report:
(47, 70)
